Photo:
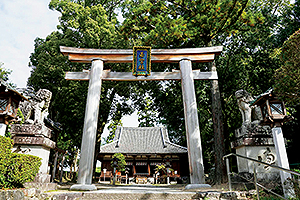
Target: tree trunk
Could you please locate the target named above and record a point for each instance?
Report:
(219, 144)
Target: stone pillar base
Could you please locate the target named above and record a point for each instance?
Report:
(83, 187)
(196, 186)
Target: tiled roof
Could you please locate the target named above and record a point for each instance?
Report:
(143, 140)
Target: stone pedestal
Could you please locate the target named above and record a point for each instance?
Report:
(34, 140)
(255, 141)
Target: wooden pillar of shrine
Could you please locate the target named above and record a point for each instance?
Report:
(85, 174)
(148, 165)
(191, 123)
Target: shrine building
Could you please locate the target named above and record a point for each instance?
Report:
(144, 148)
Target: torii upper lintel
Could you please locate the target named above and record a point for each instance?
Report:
(83, 55)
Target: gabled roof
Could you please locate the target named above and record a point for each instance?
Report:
(261, 96)
(7, 87)
(142, 140)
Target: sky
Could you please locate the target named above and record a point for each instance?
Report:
(21, 22)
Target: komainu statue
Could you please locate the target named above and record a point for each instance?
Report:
(249, 114)
(36, 110)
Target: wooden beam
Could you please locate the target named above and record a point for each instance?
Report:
(192, 128)
(206, 54)
(127, 76)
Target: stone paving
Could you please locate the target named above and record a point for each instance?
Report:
(144, 192)
(134, 192)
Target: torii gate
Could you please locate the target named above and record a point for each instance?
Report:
(98, 57)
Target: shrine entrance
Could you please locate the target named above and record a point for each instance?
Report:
(96, 75)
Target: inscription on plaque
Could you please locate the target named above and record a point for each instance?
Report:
(141, 61)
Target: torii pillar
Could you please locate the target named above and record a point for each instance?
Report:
(86, 162)
(185, 57)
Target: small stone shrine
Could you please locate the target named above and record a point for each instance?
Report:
(254, 139)
(33, 135)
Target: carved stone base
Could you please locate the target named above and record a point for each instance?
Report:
(31, 129)
(34, 139)
(265, 154)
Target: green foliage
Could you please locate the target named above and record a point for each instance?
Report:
(162, 169)
(287, 76)
(112, 127)
(147, 117)
(16, 169)
(98, 169)
(121, 161)
(23, 168)
(10, 123)
(4, 72)
(185, 23)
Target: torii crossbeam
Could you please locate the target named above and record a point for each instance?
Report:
(98, 57)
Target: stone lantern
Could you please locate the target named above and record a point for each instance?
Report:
(274, 114)
(9, 103)
(272, 109)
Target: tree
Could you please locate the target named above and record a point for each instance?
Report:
(82, 24)
(112, 127)
(147, 116)
(289, 22)
(287, 76)
(4, 75)
(121, 161)
(178, 23)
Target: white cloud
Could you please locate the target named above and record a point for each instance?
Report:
(20, 23)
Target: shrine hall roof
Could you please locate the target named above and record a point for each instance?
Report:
(142, 140)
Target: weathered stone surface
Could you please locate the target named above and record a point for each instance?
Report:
(196, 186)
(30, 129)
(43, 187)
(30, 192)
(11, 195)
(37, 107)
(253, 130)
(209, 195)
(42, 178)
(34, 141)
(228, 195)
(83, 187)
(68, 196)
(255, 141)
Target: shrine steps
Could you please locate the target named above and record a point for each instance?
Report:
(145, 192)
(167, 196)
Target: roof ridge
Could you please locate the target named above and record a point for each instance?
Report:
(176, 145)
(108, 144)
(119, 138)
(162, 137)
(132, 127)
